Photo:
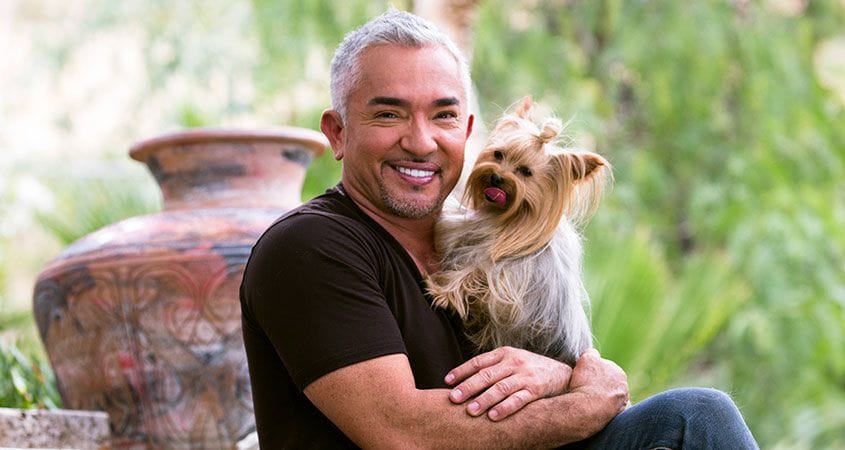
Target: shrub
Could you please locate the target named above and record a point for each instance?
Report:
(26, 382)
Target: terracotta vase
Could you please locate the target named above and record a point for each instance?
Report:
(141, 319)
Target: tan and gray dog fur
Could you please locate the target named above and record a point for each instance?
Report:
(510, 250)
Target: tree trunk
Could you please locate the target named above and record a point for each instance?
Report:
(456, 17)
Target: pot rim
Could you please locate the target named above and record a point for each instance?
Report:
(314, 140)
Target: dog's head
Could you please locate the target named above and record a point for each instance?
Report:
(526, 184)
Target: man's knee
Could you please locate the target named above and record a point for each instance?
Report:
(693, 405)
(712, 419)
(706, 402)
(679, 418)
(706, 396)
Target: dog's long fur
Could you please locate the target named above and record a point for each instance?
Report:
(512, 270)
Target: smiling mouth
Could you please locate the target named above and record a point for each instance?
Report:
(415, 173)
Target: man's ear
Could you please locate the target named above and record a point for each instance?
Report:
(332, 126)
(470, 122)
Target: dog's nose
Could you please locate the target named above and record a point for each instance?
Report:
(495, 180)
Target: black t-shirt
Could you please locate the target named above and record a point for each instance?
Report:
(326, 287)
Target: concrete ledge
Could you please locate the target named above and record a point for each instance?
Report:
(54, 429)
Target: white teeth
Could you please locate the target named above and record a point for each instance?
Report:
(416, 173)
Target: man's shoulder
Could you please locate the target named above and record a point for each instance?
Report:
(329, 212)
(324, 229)
(331, 220)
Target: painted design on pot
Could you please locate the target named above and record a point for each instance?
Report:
(141, 319)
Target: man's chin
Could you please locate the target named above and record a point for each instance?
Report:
(408, 208)
(413, 202)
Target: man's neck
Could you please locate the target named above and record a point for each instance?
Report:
(415, 235)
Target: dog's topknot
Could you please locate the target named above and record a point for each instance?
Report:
(551, 129)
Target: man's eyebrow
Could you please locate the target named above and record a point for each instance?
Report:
(393, 101)
(448, 101)
(389, 101)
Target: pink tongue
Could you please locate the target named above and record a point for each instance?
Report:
(496, 195)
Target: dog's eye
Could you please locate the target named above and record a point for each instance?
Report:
(526, 172)
(498, 155)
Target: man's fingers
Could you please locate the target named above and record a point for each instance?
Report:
(498, 392)
(505, 397)
(511, 404)
(473, 366)
(478, 382)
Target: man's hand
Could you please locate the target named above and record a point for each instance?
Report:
(602, 380)
(506, 379)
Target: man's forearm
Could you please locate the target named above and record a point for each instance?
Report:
(376, 405)
(545, 423)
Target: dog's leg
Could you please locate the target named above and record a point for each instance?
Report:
(457, 289)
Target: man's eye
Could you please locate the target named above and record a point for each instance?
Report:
(526, 172)
(498, 155)
(447, 115)
(387, 115)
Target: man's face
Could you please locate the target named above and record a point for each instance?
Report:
(402, 143)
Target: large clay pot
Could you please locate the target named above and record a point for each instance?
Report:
(141, 319)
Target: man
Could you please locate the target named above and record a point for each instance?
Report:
(344, 348)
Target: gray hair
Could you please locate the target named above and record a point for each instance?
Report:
(393, 27)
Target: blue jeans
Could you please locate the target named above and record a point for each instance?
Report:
(677, 419)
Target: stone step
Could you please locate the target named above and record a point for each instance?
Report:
(53, 429)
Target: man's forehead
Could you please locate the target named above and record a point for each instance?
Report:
(389, 62)
(393, 75)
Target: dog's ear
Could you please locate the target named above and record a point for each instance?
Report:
(580, 166)
(524, 107)
(585, 164)
(588, 173)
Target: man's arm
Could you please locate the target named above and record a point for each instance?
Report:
(376, 404)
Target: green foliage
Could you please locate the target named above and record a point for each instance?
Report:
(718, 257)
(4, 321)
(647, 320)
(86, 204)
(12, 319)
(190, 117)
(290, 31)
(323, 173)
(26, 382)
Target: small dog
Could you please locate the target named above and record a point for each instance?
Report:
(510, 253)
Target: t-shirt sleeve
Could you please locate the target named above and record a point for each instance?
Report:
(312, 286)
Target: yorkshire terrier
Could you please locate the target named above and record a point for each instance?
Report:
(510, 250)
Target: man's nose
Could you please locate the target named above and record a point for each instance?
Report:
(419, 138)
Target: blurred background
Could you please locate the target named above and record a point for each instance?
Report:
(718, 259)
